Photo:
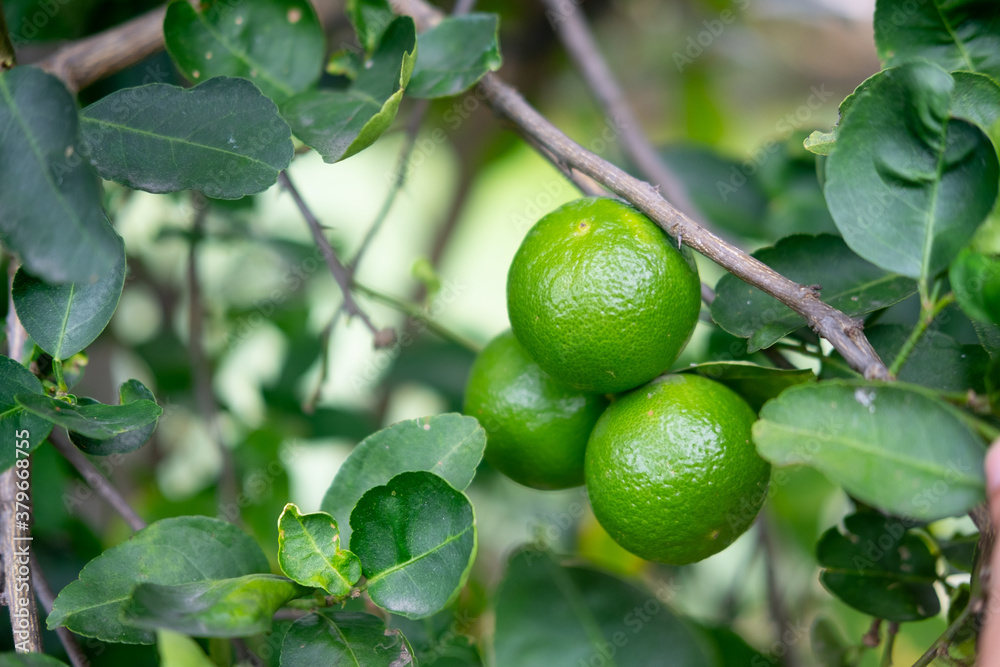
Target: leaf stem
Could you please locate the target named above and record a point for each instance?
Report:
(890, 641)
(929, 310)
(57, 370)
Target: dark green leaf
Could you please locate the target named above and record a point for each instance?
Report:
(16, 424)
(960, 551)
(126, 442)
(879, 568)
(756, 384)
(344, 638)
(847, 283)
(277, 44)
(552, 615)
(732, 649)
(975, 279)
(235, 607)
(957, 35)
(222, 137)
(416, 538)
(309, 552)
(370, 18)
(828, 644)
(94, 420)
(340, 123)
(50, 199)
(892, 446)
(29, 660)
(455, 54)
(907, 184)
(178, 550)
(67, 317)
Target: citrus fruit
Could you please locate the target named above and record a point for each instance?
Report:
(536, 428)
(671, 471)
(600, 297)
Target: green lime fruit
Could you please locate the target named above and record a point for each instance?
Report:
(671, 471)
(536, 428)
(600, 297)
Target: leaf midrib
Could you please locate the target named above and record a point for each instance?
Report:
(931, 218)
(411, 561)
(954, 37)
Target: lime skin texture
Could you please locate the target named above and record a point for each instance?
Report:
(600, 297)
(536, 428)
(671, 471)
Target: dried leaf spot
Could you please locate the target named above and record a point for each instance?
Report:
(196, 74)
(239, 20)
(208, 55)
(294, 15)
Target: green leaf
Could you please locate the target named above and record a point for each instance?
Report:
(177, 650)
(847, 283)
(50, 199)
(955, 34)
(178, 550)
(222, 137)
(309, 552)
(126, 442)
(891, 446)
(828, 644)
(552, 615)
(94, 420)
(235, 607)
(450, 446)
(29, 660)
(277, 44)
(340, 123)
(907, 184)
(756, 384)
(975, 280)
(879, 568)
(370, 18)
(65, 318)
(455, 54)
(977, 100)
(960, 551)
(17, 425)
(416, 538)
(344, 638)
(820, 143)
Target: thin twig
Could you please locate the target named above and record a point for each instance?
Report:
(583, 183)
(419, 316)
(45, 595)
(96, 480)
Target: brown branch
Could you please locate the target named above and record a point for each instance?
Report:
(8, 57)
(844, 333)
(46, 596)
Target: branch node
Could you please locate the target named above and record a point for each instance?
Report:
(384, 338)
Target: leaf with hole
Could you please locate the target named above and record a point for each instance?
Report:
(125, 442)
(416, 538)
(18, 426)
(93, 419)
(309, 552)
(455, 54)
(344, 638)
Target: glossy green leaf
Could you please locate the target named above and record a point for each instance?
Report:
(450, 446)
(879, 568)
(177, 650)
(547, 614)
(977, 100)
(236, 607)
(340, 123)
(94, 420)
(222, 137)
(455, 54)
(344, 638)
(277, 44)
(907, 184)
(29, 660)
(955, 34)
(64, 318)
(178, 550)
(309, 552)
(416, 538)
(847, 283)
(370, 18)
(975, 280)
(756, 384)
(17, 425)
(960, 551)
(126, 442)
(891, 446)
(50, 199)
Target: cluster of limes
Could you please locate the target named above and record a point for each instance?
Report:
(601, 304)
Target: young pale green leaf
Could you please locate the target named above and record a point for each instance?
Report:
(975, 279)
(455, 54)
(879, 568)
(344, 638)
(50, 199)
(177, 650)
(370, 18)
(957, 35)
(17, 425)
(847, 283)
(891, 446)
(416, 538)
(29, 660)
(94, 420)
(756, 384)
(907, 184)
(309, 552)
(340, 123)
(126, 442)
(547, 614)
(450, 446)
(222, 137)
(64, 318)
(178, 550)
(236, 607)
(277, 44)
